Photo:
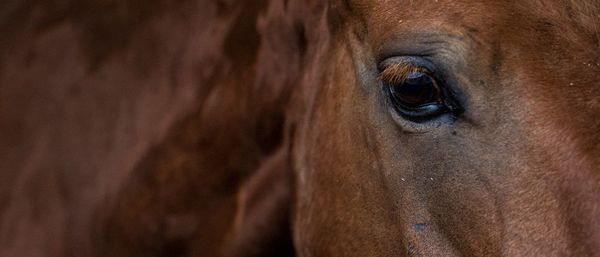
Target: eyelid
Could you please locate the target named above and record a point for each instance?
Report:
(394, 70)
(417, 61)
(397, 73)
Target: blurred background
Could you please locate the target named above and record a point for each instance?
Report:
(109, 142)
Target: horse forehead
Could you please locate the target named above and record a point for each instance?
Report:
(582, 14)
(554, 44)
(584, 7)
(528, 30)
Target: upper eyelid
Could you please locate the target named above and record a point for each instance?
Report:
(397, 73)
(418, 61)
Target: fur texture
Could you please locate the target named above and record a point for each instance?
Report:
(256, 128)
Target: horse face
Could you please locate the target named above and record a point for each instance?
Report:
(448, 128)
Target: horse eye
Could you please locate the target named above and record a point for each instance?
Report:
(416, 90)
(418, 96)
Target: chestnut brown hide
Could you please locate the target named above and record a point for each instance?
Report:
(259, 128)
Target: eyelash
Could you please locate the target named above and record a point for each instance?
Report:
(398, 72)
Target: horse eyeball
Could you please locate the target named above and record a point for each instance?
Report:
(416, 90)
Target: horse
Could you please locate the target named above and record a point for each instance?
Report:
(300, 128)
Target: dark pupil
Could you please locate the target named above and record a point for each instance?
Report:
(418, 89)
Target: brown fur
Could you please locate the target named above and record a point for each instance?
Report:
(252, 128)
